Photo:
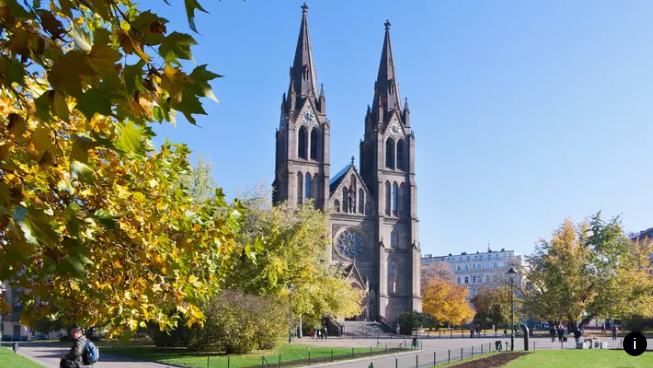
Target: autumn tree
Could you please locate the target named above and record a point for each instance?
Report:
(585, 271)
(200, 182)
(439, 270)
(94, 223)
(493, 306)
(446, 302)
(290, 246)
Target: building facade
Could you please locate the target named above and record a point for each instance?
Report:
(373, 223)
(10, 326)
(481, 269)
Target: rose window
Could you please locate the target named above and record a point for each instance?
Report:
(350, 244)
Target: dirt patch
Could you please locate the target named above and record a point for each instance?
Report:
(493, 361)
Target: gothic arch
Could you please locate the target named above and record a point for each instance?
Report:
(300, 188)
(390, 153)
(394, 239)
(307, 187)
(402, 200)
(336, 204)
(401, 159)
(387, 198)
(345, 197)
(302, 143)
(393, 276)
(361, 201)
(394, 198)
(314, 144)
(314, 186)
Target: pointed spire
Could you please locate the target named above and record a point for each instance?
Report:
(303, 76)
(386, 91)
(406, 114)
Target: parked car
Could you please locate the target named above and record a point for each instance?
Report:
(40, 337)
(7, 337)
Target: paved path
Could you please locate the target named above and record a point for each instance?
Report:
(49, 357)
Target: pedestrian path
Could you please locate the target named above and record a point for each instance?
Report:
(49, 357)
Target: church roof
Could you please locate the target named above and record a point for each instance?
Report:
(386, 91)
(335, 180)
(303, 77)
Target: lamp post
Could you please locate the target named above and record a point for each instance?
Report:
(290, 288)
(511, 275)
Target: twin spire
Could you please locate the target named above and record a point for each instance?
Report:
(303, 78)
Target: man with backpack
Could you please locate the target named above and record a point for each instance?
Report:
(83, 352)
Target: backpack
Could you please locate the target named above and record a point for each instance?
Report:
(91, 354)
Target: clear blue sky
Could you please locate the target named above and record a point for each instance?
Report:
(524, 112)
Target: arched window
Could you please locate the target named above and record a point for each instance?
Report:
(400, 155)
(302, 143)
(458, 268)
(402, 200)
(307, 186)
(300, 188)
(466, 267)
(387, 198)
(314, 181)
(314, 145)
(361, 201)
(473, 267)
(394, 199)
(487, 279)
(390, 153)
(495, 265)
(392, 276)
(466, 280)
(336, 204)
(394, 239)
(479, 266)
(306, 72)
(474, 280)
(459, 281)
(345, 200)
(487, 265)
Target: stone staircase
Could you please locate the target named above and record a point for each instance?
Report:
(361, 329)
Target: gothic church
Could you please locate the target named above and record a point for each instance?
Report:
(373, 223)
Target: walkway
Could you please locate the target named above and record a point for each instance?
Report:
(49, 357)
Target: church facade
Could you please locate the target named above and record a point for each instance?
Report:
(373, 221)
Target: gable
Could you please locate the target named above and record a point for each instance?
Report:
(308, 115)
(347, 177)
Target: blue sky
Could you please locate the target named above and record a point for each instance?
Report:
(525, 113)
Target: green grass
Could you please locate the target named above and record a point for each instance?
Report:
(9, 359)
(469, 359)
(582, 358)
(180, 356)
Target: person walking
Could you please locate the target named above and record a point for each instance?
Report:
(552, 332)
(325, 332)
(615, 331)
(561, 333)
(577, 334)
(471, 331)
(478, 330)
(603, 328)
(74, 358)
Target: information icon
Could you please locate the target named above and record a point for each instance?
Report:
(634, 343)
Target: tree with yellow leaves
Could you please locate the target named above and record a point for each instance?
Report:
(446, 302)
(96, 225)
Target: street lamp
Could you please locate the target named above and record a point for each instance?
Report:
(290, 289)
(511, 275)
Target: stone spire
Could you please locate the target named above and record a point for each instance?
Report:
(303, 79)
(386, 90)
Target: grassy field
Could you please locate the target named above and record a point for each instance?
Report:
(582, 358)
(9, 359)
(287, 353)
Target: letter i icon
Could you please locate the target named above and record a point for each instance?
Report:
(634, 343)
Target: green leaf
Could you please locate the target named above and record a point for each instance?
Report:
(35, 225)
(66, 72)
(81, 38)
(17, 10)
(191, 5)
(130, 139)
(42, 140)
(83, 171)
(97, 100)
(59, 106)
(134, 78)
(177, 46)
(103, 59)
(201, 77)
(72, 222)
(71, 266)
(106, 219)
(81, 145)
(101, 7)
(11, 72)
(189, 105)
(66, 6)
(42, 104)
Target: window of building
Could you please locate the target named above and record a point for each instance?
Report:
(459, 281)
(478, 267)
(473, 267)
(394, 239)
(400, 155)
(302, 143)
(314, 144)
(466, 280)
(487, 279)
(387, 198)
(390, 153)
(496, 278)
(345, 200)
(392, 277)
(394, 198)
(361, 201)
(336, 204)
(468, 259)
(300, 188)
(307, 186)
(466, 267)
(458, 268)
(496, 265)
(474, 280)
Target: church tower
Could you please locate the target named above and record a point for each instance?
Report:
(302, 139)
(387, 157)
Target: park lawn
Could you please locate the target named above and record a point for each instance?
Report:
(582, 358)
(9, 359)
(184, 357)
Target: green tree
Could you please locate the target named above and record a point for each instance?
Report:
(493, 306)
(410, 322)
(100, 224)
(585, 271)
(290, 247)
(200, 181)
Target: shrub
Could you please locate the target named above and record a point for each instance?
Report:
(638, 323)
(178, 336)
(239, 323)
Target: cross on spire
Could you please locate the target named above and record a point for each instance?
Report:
(304, 7)
(387, 25)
